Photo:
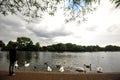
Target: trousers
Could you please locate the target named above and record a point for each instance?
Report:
(11, 67)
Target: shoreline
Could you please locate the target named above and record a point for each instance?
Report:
(35, 71)
(33, 75)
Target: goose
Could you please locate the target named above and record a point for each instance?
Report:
(88, 66)
(49, 69)
(58, 66)
(61, 69)
(99, 69)
(46, 63)
(26, 64)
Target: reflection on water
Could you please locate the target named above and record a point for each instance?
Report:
(109, 61)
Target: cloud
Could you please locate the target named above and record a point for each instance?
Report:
(48, 34)
(11, 27)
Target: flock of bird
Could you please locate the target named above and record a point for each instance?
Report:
(61, 68)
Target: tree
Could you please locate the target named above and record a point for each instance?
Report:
(117, 2)
(24, 43)
(35, 8)
(2, 44)
(112, 48)
(10, 45)
(69, 47)
(37, 46)
(59, 47)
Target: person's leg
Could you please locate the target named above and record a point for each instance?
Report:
(13, 65)
(10, 68)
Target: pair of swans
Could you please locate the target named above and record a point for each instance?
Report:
(83, 69)
(25, 65)
(61, 69)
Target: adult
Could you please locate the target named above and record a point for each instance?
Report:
(12, 58)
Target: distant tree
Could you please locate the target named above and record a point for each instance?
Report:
(24, 43)
(2, 44)
(78, 48)
(51, 48)
(112, 48)
(93, 48)
(44, 48)
(60, 47)
(70, 46)
(10, 45)
(37, 46)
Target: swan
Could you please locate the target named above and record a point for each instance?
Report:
(99, 69)
(26, 64)
(16, 64)
(80, 69)
(49, 69)
(61, 69)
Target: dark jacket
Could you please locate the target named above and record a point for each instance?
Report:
(12, 55)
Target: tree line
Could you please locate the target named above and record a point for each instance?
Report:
(26, 44)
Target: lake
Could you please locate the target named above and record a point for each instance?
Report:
(109, 61)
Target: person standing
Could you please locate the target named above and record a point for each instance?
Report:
(12, 59)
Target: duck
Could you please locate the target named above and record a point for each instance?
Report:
(99, 69)
(26, 64)
(61, 69)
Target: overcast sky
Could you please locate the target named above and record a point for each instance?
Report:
(102, 28)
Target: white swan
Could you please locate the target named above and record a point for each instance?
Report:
(49, 69)
(16, 64)
(61, 69)
(26, 64)
(99, 69)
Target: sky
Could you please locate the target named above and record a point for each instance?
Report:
(101, 28)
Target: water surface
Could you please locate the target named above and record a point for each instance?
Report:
(109, 61)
